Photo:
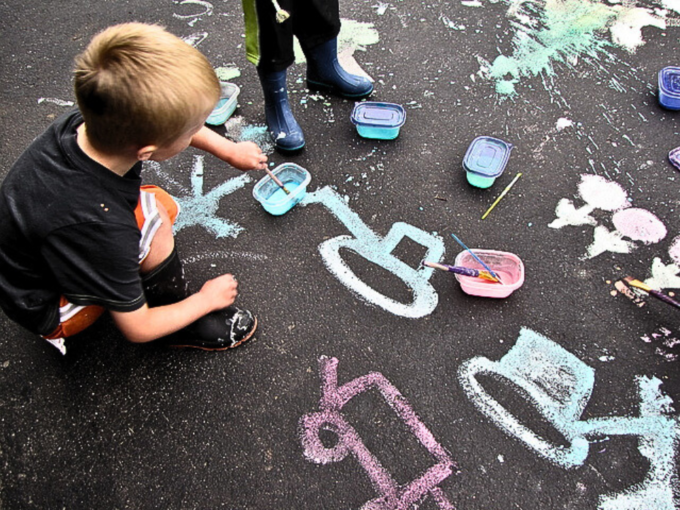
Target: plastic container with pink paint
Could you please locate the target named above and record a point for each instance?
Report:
(507, 266)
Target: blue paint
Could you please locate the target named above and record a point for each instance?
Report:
(201, 209)
(560, 386)
(378, 250)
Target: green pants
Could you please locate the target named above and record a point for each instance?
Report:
(269, 45)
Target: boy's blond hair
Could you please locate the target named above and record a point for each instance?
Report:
(139, 85)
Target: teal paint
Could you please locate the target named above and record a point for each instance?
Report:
(560, 386)
(200, 209)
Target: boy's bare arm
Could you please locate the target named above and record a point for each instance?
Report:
(147, 324)
(241, 155)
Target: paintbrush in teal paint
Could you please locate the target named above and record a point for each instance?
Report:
(276, 180)
(478, 259)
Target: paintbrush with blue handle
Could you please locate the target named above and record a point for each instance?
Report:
(465, 271)
(478, 259)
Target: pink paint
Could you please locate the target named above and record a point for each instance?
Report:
(674, 250)
(639, 225)
(333, 399)
(600, 193)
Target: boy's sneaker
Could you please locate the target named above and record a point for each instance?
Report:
(217, 331)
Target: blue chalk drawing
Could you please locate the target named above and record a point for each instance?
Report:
(378, 250)
(560, 385)
(201, 209)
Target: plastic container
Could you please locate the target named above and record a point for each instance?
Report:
(380, 121)
(485, 160)
(507, 266)
(669, 88)
(273, 199)
(226, 105)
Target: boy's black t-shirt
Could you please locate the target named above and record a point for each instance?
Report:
(67, 227)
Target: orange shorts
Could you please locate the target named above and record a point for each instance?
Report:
(75, 318)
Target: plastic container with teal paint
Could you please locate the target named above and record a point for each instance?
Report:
(226, 105)
(380, 121)
(275, 200)
(485, 160)
(669, 88)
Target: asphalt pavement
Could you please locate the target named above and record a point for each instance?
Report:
(373, 382)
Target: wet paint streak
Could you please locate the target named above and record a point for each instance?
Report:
(201, 208)
(561, 32)
(391, 496)
(559, 385)
(378, 250)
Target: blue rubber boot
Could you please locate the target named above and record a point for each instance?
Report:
(283, 128)
(324, 73)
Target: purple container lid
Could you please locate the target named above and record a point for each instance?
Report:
(487, 156)
(381, 115)
(669, 80)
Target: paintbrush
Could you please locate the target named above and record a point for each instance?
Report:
(276, 180)
(503, 193)
(465, 271)
(658, 295)
(478, 259)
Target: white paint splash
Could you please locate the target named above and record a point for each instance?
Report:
(664, 276)
(563, 123)
(54, 100)
(633, 223)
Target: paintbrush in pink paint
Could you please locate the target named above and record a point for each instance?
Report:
(658, 295)
(465, 271)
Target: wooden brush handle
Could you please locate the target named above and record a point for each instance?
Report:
(663, 297)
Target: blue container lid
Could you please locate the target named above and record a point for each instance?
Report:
(381, 115)
(669, 80)
(487, 156)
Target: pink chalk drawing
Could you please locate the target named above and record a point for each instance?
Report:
(639, 225)
(329, 418)
(674, 250)
(665, 343)
(633, 223)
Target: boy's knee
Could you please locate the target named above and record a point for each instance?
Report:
(163, 241)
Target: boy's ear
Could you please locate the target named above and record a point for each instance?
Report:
(146, 152)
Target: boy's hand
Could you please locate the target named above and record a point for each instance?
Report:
(220, 292)
(248, 156)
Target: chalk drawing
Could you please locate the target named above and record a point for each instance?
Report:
(201, 208)
(238, 130)
(664, 343)
(353, 36)
(195, 39)
(560, 32)
(227, 73)
(664, 276)
(205, 9)
(633, 223)
(378, 250)
(54, 100)
(674, 250)
(391, 496)
(560, 385)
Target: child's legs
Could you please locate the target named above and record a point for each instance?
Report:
(156, 212)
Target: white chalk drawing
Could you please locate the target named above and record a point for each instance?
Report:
(560, 386)
(204, 9)
(54, 100)
(391, 496)
(378, 250)
(201, 208)
(629, 222)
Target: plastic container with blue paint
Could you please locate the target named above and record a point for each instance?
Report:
(380, 121)
(275, 200)
(485, 160)
(226, 105)
(669, 88)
